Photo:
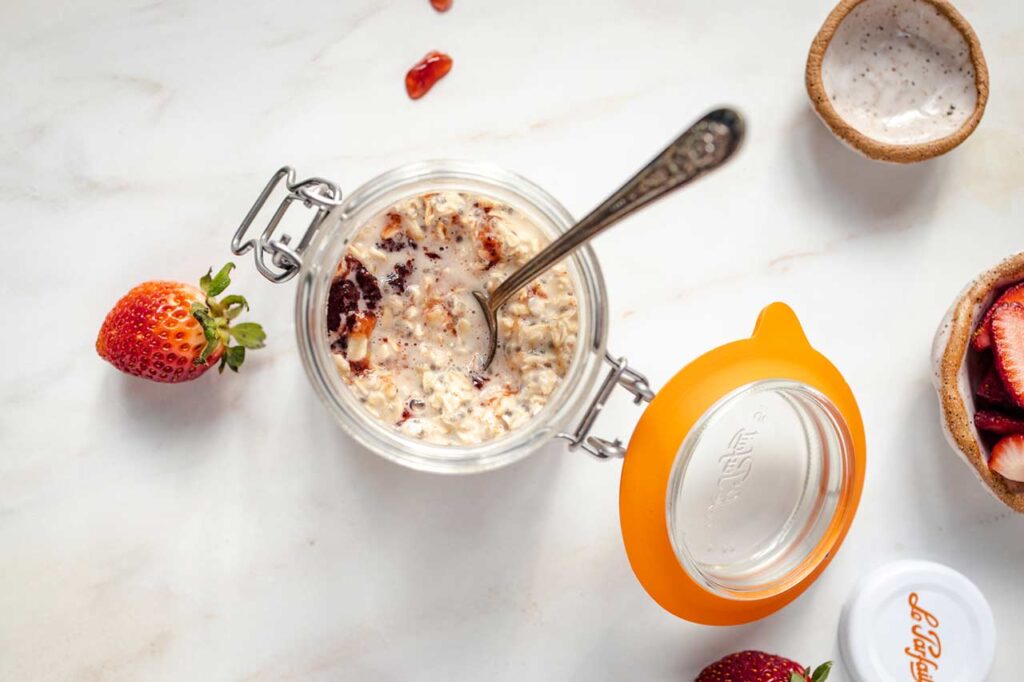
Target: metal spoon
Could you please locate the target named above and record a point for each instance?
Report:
(705, 146)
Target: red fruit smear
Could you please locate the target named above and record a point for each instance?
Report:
(441, 5)
(399, 278)
(426, 73)
(342, 300)
(398, 240)
(409, 410)
(490, 246)
(997, 423)
(369, 287)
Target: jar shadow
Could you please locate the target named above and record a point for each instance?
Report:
(857, 189)
(445, 539)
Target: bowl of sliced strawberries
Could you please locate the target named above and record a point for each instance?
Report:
(978, 363)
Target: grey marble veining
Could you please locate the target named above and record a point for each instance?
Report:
(228, 530)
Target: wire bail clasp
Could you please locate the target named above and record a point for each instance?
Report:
(620, 374)
(285, 260)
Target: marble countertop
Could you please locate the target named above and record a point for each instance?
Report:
(228, 530)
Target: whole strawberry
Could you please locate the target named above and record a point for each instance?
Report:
(172, 332)
(757, 666)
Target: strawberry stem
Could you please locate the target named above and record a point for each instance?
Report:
(215, 318)
(820, 674)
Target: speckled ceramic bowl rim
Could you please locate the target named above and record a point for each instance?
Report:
(957, 418)
(870, 147)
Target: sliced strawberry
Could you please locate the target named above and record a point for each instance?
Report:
(992, 391)
(1007, 458)
(998, 423)
(982, 338)
(1008, 340)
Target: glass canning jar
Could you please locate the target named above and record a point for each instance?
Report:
(327, 248)
(743, 473)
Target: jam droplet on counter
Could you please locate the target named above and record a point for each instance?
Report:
(441, 5)
(426, 72)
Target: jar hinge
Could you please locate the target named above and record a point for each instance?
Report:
(620, 374)
(285, 260)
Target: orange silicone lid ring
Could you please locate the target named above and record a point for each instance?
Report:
(777, 349)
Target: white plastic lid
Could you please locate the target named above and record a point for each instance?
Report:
(917, 620)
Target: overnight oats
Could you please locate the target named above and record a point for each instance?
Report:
(407, 335)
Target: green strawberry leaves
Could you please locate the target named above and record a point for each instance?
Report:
(249, 334)
(234, 305)
(214, 285)
(210, 331)
(215, 318)
(233, 358)
(820, 674)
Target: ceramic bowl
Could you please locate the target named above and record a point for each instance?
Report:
(956, 374)
(898, 80)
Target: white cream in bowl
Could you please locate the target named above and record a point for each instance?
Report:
(898, 80)
(900, 72)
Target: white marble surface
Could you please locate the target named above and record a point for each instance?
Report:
(228, 530)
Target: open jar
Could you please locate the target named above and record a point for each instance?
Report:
(744, 472)
(326, 250)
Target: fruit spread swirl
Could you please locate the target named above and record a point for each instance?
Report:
(407, 335)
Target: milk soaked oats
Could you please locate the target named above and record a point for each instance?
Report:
(407, 334)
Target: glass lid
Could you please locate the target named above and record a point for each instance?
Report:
(755, 486)
(742, 476)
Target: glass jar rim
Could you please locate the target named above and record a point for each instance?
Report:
(325, 250)
(794, 552)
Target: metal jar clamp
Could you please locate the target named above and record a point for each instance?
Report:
(285, 260)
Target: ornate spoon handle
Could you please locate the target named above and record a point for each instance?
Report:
(706, 145)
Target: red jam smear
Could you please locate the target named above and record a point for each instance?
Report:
(441, 5)
(426, 73)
